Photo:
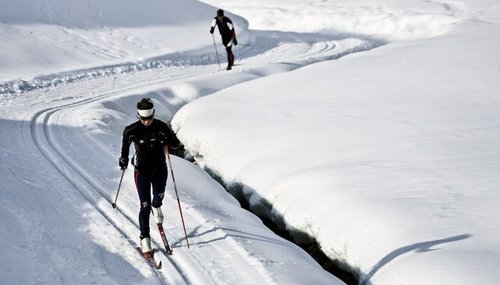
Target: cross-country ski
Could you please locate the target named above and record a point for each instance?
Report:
(168, 249)
(149, 257)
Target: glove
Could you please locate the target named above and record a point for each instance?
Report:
(178, 151)
(212, 30)
(123, 162)
(235, 42)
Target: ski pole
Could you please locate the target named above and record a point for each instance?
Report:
(216, 53)
(118, 191)
(177, 195)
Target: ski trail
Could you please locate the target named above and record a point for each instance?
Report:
(42, 130)
(225, 259)
(273, 47)
(185, 267)
(216, 256)
(194, 266)
(40, 134)
(50, 142)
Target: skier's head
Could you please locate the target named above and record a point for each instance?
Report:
(220, 13)
(145, 109)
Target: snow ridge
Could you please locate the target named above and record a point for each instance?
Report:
(314, 48)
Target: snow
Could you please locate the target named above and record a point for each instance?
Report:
(370, 126)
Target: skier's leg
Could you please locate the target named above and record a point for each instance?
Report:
(230, 57)
(226, 41)
(159, 182)
(143, 184)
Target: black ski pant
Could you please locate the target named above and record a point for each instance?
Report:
(144, 179)
(230, 57)
(229, 51)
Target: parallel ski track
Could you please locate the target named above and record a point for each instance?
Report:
(44, 142)
(90, 189)
(185, 267)
(183, 262)
(46, 147)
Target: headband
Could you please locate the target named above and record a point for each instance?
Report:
(146, 113)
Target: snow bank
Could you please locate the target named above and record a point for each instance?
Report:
(43, 38)
(387, 158)
(387, 20)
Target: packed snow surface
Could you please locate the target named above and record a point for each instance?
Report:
(368, 126)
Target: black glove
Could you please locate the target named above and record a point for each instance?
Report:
(235, 42)
(123, 162)
(177, 151)
(212, 30)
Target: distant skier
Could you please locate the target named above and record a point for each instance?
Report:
(150, 136)
(226, 30)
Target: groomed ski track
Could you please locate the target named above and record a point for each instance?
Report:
(215, 257)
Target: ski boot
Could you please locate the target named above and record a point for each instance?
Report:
(158, 214)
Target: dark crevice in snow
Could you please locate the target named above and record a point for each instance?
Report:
(338, 268)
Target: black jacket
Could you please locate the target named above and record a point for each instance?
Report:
(226, 29)
(149, 143)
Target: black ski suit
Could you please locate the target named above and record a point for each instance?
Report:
(150, 164)
(226, 30)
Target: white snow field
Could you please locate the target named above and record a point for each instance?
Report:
(369, 126)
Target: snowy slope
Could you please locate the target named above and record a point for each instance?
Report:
(375, 169)
(42, 38)
(387, 158)
(60, 142)
(385, 153)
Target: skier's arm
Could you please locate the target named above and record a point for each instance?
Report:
(235, 41)
(233, 32)
(230, 26)
(214, 23)
(172, 140)
(123, 161)
(174, 145)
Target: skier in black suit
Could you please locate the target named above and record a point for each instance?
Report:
(226, 30)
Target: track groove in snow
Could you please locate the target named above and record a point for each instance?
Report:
(40, 133)
(289, 47)
(181, 266)
(216, 257)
